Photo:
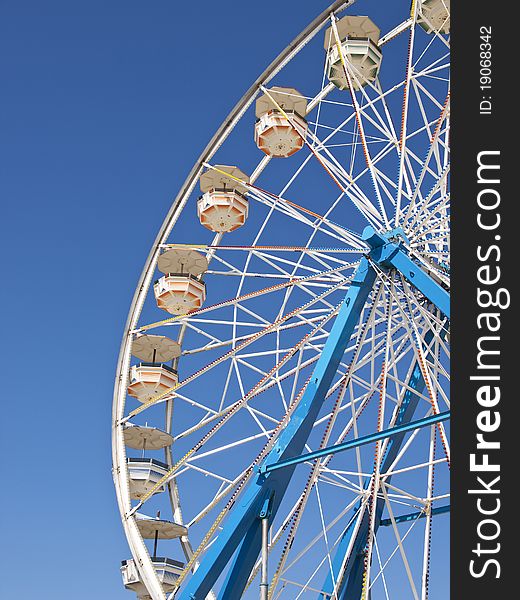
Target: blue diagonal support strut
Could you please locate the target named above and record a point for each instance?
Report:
(243, 522)
(438, 510)
(361, 441)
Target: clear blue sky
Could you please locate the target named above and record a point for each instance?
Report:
(104, 107)
(94, 104)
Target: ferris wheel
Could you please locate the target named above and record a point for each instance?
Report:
(281, 405)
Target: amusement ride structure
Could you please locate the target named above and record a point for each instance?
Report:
(281, 405)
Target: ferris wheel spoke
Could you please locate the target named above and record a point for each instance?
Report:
(268, 385)
(293, 210)
(404, 116)
(238, 338)
(345, 182)
(330, 164)
(435, 204)
(433, 136)
(371, 139)
(436, 225)
(400, 541)
(384, 129)
(359, 122)
(380, 571)
(295, 281)
(427, 376)
(312, 483)
(396, 31)
(398, 548)
(374, 486)
(435, 101)
(367, 108)
(318, 537)
(228, 414)
(439, 176)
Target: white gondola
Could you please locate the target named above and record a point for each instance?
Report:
(179, 294)
(358, 37)
(280, 133)
(223, 207)
(144, 473)
(148, 380)
(434, 16)
(167, 571)
(180, 290)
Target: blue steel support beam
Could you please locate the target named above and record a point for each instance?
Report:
(388, 253)
(361, 441)
(243, 520)
(439, 510)
(352, 591)
(247, 553)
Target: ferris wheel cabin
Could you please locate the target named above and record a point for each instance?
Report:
(151, 377)
(281, 126)
(181, 290)
(434, 16)
(167, 571)
(148, 380)
(144, 473)
(223, 206)
(358, 44)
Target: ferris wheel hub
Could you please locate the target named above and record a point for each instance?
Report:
(376, 239)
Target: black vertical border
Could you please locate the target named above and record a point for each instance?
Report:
(471, 133)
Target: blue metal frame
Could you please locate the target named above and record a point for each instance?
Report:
(439, 510)
(240, 537)
(242, 528)
(388, 251)
(361, 441)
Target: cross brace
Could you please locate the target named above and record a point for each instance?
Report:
(361, 441)
(438, 510)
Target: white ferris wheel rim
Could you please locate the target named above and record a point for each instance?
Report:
(135, 540)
